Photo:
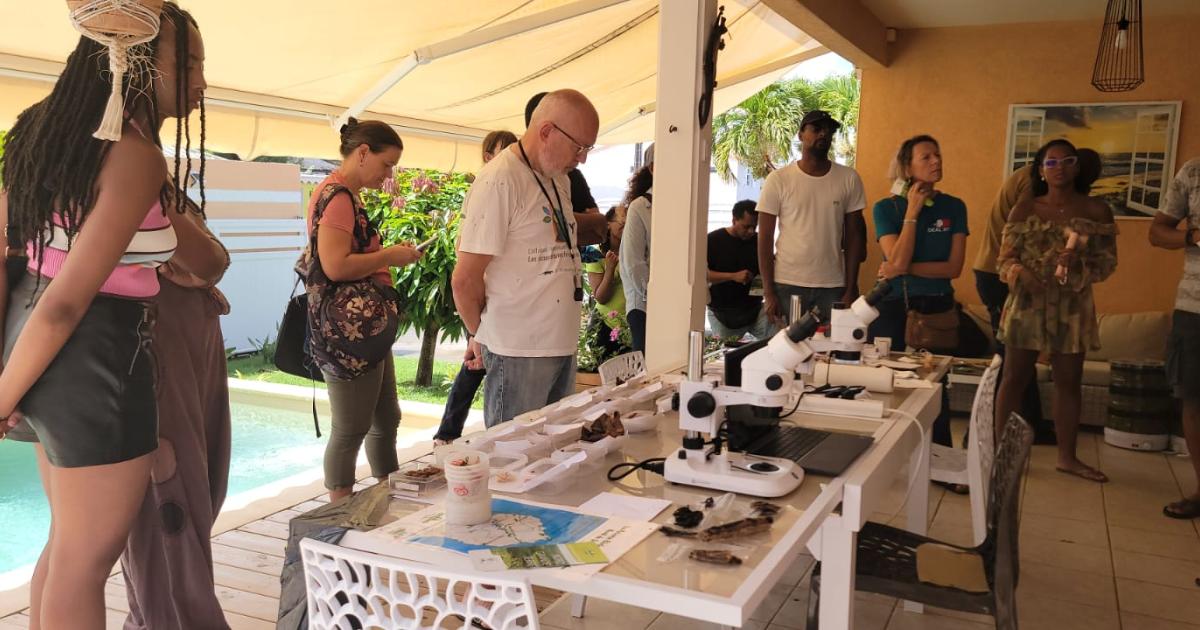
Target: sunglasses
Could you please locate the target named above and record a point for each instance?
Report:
(1070, 160)
(582, 149)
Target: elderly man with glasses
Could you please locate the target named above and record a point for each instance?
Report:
(517, 283)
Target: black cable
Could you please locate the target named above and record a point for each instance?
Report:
(655, 465)
(798, 399)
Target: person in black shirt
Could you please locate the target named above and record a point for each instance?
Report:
(592, 226)
(733, 310)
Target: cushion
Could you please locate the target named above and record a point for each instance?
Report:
(1133, 336)
(1096, 373)
(943, 565)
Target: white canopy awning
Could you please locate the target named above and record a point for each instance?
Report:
(282, 72)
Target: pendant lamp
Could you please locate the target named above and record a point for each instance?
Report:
(1119, 64)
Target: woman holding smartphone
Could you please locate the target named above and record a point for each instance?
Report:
(365, 408)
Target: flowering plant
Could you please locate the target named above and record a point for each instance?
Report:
(412, 207)
(591, 351)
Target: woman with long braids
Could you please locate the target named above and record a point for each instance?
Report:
(79, 373)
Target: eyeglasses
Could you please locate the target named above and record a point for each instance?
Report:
(583, 148)
(1070, 160)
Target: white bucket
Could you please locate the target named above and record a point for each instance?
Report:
(468, 499)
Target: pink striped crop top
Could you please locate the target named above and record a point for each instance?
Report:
(136, 276)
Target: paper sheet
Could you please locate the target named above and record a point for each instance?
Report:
(624, 506)
(912, 383)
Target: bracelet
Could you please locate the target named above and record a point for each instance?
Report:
(910, 220)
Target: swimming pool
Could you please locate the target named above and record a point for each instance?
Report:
(269, 444)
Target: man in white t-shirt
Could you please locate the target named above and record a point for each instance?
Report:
(517, 282)
(818, 206)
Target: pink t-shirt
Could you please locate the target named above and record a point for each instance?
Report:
(138, 280)
(339, 214)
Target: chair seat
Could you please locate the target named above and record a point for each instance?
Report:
(948, 464)
(887, 564)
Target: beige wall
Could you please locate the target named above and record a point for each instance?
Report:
(231, 186)
(957, 84)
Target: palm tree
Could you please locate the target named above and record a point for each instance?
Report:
(839, 95)
(759, 131)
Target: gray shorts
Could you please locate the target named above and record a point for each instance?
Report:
(1183, 355)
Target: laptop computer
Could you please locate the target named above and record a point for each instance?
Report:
(817, 452)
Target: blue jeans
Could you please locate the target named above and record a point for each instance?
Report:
(515, 385)
(637, 328)
(821, 298)
(458, 403)
(762, 327)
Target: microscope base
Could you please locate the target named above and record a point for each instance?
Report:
(733, 472)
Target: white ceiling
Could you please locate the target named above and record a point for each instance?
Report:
(940, 13)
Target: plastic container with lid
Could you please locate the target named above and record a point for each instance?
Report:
(468, 498)
(532, 445)
(416, 480)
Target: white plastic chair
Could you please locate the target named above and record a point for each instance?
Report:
(622, 367)
(973, 466)
(350, 589)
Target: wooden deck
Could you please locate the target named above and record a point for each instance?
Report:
(247, 562)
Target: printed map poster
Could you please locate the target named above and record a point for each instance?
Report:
(424, 536)
(1136, 143)
(513, 525)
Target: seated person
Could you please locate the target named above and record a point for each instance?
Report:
(732, 267)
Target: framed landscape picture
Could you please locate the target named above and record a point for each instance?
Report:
(1136, 143)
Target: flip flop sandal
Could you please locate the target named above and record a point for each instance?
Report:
(1087, 472)
(1185, 510)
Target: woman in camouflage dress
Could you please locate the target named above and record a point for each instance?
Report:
(1057, 243)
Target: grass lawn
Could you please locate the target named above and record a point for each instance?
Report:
(254, 368)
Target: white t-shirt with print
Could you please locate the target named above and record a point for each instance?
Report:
(811, 211)
(530, 283)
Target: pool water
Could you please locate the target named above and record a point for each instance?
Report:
(269, 444)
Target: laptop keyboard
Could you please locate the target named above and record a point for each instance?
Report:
(788, 442)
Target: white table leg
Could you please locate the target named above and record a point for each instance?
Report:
(917, 511)
(839, 550)
(578, 606)
(917, 516)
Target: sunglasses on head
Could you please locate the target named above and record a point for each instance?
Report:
(1070, 160)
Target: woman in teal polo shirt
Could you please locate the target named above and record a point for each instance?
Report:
(923, 234)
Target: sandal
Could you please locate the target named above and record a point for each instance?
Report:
(1184, 509)
(1086, 472)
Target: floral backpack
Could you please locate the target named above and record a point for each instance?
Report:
(352, 325)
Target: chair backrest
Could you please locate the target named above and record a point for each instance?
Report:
(350, 589)
(1000, 550)
(622, 368)
(981, 447)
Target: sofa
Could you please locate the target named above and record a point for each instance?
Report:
(1122, 336)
